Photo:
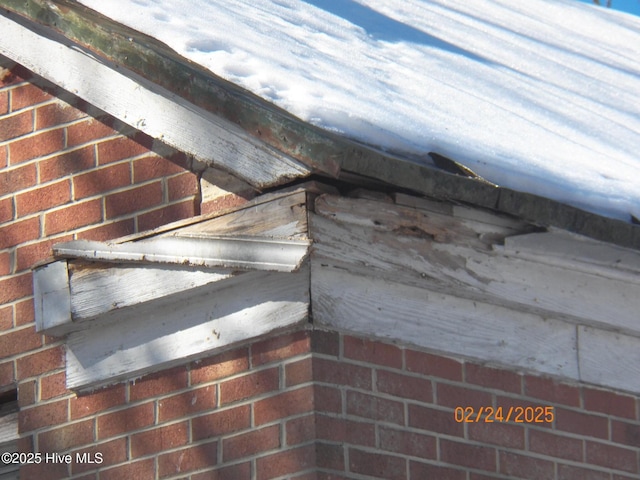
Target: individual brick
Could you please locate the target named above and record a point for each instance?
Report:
(72, 217)
(17, 179)
(374, 408)
(372, 352)
(7, 376)
(571, 472)
(609, 403)
(108, 231)
(327, 399)
(6, 267)
(377, 465)
(496, 433)
(140, 470)
(407, 443)
(160, 383)
(6, 210)
(404, 386)
(41, 362)
(167, 214)
(53, 386)
(113, 452)
(28, 95)
(434, 420)
(465, 455)
(249, 385)
(135, 199)
(581, 423)
(433, 365)
(625, 433)
(43, 198)
(27, 393)
(220, 366)
(19, 340)
(99, 401)
(154, 166)
(44, 415)
(328, 456)
(25, 312)
(456, 396)
(325, 342)
(283, 405)
(119, 148)
(251, 443)
(6, 317)
(611, 456)
(285, 463)
(186, 404)
(187, 459)
(345, 431)
(66, 163)
(184, 185)
(241, 470)
(495, 378)
(522, 466)
(89, 130)
(36, 145)
(419, 470)
(340, 373)
(222, 422)
(17, 125)
(547, 443)
(102, 180)
(298, 372)
(159, 439)
(66, 437)
(551, 390)
(19, 232)
(280, 348)
(132, 418)
(56, 114)
(300, 429)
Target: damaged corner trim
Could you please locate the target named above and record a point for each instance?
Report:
(237, 252)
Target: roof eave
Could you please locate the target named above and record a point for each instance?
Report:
(295, 148)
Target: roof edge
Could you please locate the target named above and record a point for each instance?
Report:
(324, 152)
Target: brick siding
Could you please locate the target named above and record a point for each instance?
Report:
(308, 405)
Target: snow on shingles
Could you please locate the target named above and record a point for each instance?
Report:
(541, 96)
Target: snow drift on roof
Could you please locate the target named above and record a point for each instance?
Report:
(541, 96)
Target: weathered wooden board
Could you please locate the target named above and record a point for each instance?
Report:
(373, 241)
(284, 217)
(97, 289)
(609, 359)
(148, 107)
(373, 306)
(206, 319)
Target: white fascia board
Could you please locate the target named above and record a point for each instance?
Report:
(146, 106)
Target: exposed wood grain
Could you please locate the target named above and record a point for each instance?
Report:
(381, 240)
(97, 289)
(609, 359)
(284, 217)
(161, 334)
(449, 324)
(149, 108)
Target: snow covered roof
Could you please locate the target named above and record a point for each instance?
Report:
(540, 96)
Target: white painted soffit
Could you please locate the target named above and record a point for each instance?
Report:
(146, 106)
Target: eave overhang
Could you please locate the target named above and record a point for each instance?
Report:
(224, 125)
(445, 277)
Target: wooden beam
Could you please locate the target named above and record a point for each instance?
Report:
(147, 106)
(184, 327)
